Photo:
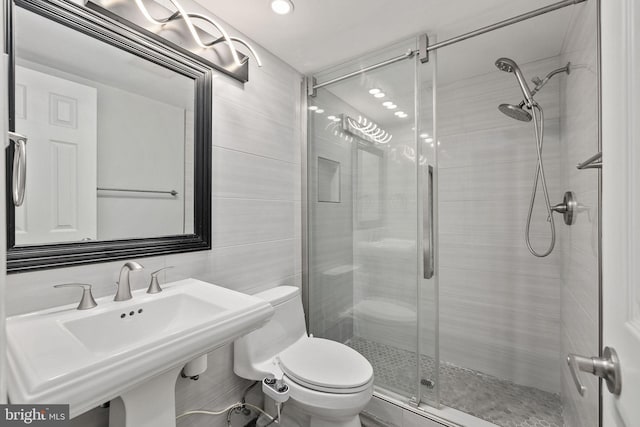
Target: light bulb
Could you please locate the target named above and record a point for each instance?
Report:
(282, 7)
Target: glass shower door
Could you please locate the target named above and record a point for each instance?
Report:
(365, 257)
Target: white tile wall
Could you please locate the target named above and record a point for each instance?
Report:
(330, 226)
(579, 141)
(256, 209)
(499, 305)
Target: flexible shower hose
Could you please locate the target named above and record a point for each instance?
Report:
(538, 126)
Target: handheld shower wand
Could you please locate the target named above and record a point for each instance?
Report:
(509, 66)
(517, 112)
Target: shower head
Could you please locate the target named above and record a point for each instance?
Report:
(509, 66)
(505, 64)
(515, 112)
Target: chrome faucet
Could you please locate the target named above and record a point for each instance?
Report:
(124, 286)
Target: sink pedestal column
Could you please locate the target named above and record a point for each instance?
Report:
(152, 404)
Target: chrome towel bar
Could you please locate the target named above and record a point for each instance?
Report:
(131, 190)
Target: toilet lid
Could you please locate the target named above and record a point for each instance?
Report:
(323, 365)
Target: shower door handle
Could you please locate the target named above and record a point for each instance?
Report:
(427, 226)
(606, 367)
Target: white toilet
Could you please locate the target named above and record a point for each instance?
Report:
(328, 381)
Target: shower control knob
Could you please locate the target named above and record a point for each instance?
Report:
(567, 208)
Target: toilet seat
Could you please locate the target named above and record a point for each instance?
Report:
(326, 366)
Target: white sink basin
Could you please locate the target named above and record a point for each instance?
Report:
(85, 358)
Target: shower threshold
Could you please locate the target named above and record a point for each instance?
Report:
(486, 397)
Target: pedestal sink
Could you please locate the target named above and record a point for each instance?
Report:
(127, 352)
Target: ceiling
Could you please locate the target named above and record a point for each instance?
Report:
(322, 33)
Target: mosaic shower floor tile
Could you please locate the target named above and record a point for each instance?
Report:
(501, 402)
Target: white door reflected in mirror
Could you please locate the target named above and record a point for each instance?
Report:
(60, 116)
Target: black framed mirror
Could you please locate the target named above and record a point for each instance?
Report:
(118, 128)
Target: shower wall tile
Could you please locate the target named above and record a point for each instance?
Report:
(256, 224)
(469, 106)
(579, 141)
(331, 262)
(499, 305)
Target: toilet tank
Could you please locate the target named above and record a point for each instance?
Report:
(253, 353)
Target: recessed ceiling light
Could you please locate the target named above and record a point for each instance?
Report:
(319, 111)
(398, 113)
(392, 107)
(282, 7)
(379, 95)
(424, 135)
(374, 91)
(387, 103)
(428, 140)
(404, 115)
(331, 117)
(313, 108)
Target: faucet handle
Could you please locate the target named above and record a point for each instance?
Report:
(87, 301)
(154, 286)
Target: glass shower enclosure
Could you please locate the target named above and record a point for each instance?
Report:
(370, 166)
(418, 193)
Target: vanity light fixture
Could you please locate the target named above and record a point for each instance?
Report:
(235, 65)
(282, 7)
(187, 18)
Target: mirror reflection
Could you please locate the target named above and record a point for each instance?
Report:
(111, 135)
